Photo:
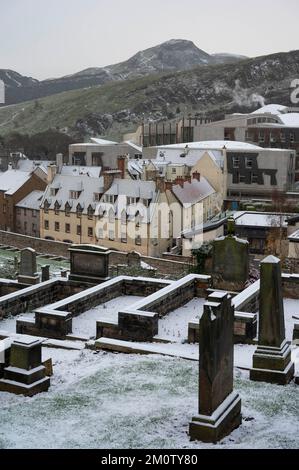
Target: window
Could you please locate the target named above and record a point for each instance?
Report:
(74, 194)
(34, 213)
(67, 210)
(46, 225)
(111, 235)
(236, 162)
(110, 198)
(254, 178)
(46, 207)
(96, 196)
(67, 228)
(138, 240)
(4, 208)
(25, 211)
(33, 228)
(173, 170)
(57, 227)
(56, 208)
(292, 137)
(78, 229)
(131, 200)
(53, 191)
(90, 213)
(79, 211)
(242, 178)
(90, 231)
(261, 136)
(25, 226)
(123, 237)
(249, 162)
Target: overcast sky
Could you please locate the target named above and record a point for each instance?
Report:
(44, 39)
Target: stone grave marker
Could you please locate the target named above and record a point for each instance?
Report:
(25, 374)
(272, 358)
(28, 267)
(219, 406)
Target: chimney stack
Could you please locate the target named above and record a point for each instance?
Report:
(59, 161)
(52, 171)
(122, 165)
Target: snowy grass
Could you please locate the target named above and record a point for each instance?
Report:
(107, 400)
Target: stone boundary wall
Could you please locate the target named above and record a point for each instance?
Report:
(30, 298)
(38, 244)
(163, 266)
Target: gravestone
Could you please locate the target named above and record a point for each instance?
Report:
(28, 267)
(230, 261)
(272, 358)
(45, 273)
(133, 259)
(25, 374)
(89, 263)
(219, 406)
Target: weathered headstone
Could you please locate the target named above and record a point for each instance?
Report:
(89, 263)
(25, 374)
(28, 267)
(219, 406)
(45, 272)
(272, 358)
(133, 259)
(230, 261)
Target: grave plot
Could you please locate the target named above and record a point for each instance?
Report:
(85, 324)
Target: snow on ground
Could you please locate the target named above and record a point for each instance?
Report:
(291, 308)
(175, 325)
(106, 400)
(85, 324)
(9, 324)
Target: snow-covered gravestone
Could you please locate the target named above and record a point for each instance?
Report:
(272, 358)
(219, 406)
(28, 267)
(25, 375)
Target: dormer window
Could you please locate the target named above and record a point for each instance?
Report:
(79, 210)
(46, 207)
(90, 212)
(96, 197)
(53, 191)
(67, 210)
(56, 208)
(74, 194)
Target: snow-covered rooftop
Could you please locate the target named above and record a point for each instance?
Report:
(260, 219)
(98, 141)
(70, 170)
(32, 201)
(213, 145)
(86, 185)
(193, 192)
(271, 108)
(12, 180)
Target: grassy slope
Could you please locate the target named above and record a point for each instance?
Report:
(65, 108)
